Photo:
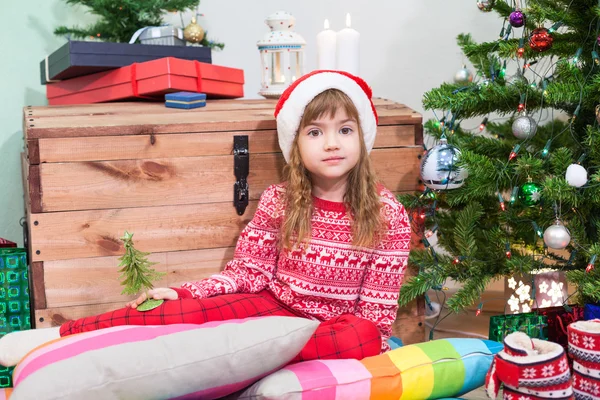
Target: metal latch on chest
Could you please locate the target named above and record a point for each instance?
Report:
(241, 167)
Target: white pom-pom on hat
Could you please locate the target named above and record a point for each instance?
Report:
(292, 103)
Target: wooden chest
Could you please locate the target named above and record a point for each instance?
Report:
(167, 175)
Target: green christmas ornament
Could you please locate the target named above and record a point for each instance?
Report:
(530, 193)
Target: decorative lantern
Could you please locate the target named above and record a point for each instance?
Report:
(281, 55)
(540, 289)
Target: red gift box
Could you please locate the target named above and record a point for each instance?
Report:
(151, 79)
(558, 320)
(7, 243)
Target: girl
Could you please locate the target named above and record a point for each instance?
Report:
(328, 244)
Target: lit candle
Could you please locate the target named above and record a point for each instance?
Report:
(326, 42)
(347, 44)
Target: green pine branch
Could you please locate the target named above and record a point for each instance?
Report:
(470, 293)
(118, 20)
(136, 272)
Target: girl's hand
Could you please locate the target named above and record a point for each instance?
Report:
(158, 293)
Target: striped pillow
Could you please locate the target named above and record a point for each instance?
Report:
(158, 362)
(431, 370)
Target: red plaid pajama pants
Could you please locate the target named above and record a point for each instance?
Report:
(346, 336)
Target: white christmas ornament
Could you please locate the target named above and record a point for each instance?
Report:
(576, 175)
(556, 236)
(439, 169)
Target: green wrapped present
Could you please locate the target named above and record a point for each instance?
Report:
(533, 324)
(15, 312)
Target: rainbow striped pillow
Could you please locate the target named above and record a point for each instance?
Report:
(430, 370)
(160, 362)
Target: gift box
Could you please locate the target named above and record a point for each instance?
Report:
(537, 290)
(558, 319)
(534, 325)
(591, 311)
(15, 310)
(185, 100)
(77, 58)
(7, 243)
(163, 35)
(149, 80)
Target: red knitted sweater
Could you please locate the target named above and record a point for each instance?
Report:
(330, 277)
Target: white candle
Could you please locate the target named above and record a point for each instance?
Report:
(347, 44)
(326, 42)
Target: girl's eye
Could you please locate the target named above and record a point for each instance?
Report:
(346, 131)
(314, 133)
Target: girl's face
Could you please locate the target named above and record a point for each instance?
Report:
(330, 147)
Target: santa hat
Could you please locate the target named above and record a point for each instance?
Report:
(295, 98)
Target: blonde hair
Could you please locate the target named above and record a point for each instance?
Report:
(361, 198)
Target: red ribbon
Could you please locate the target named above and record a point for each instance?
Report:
(134, 81)
(198, 77)
(134, 84)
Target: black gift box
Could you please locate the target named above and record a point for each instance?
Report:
(77, 58)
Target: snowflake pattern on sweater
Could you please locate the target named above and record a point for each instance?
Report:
(328, 278)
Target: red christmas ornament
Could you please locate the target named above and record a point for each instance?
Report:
(540, 40)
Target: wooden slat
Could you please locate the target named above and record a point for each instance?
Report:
(33, 151)
(191, 180)
(88, 281)
(135, 147)
(410, 319)
(49, 317)
(153, 108)
(397, 168)
(155, 182)
(35, 188)
(39, 286)
(410, 329)
(190, 121)
(96, 233)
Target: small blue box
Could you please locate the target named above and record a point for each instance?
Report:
(591, 311)
(186, 100)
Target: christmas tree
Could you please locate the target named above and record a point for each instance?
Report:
(136, 271)
(521, 191)
(120, 19)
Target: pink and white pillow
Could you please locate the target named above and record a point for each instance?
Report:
(182, 361)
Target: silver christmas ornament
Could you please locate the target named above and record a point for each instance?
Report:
(518, 78)
(439, 168)
(524, 127)
(576, 175)
(463, 76)
(485, 5)
(556, 236)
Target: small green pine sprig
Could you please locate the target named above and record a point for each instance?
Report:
(136, 271)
